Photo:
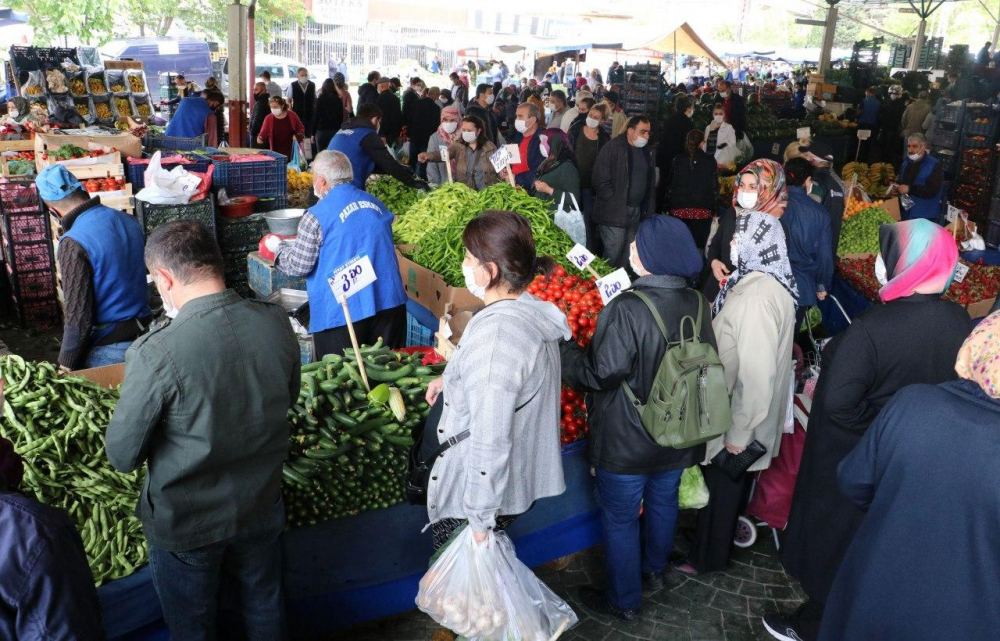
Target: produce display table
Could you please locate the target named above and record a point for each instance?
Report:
(345, 572)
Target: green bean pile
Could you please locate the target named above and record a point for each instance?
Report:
(57, 424)
(432, 212)
(393, 194)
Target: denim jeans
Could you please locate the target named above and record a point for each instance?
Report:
(628, 554)
(106, 355)
(188, 585)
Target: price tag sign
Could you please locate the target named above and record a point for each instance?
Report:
(864, 134)
(775, 148)
(580, 256)
(354, 276)
(960, 272)
(444, 153)
(500, 158)
(513, 154)
(802, 133)
(613, 285)
(952, 215)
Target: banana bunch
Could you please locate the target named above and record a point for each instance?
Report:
(299, 180)
(859, 169)
(880, 176)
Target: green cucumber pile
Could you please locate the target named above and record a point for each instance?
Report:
(393, 194)
(57, 424)
(349, 447)
(859, 233)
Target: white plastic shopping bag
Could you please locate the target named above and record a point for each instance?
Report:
(482, 592)
(570, 220)
(174, 187)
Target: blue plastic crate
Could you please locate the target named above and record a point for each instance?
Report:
(136, 172)
(416, 334)
(264, 179)
(951, 113)
(172, 143)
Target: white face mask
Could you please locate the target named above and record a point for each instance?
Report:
(489, 99)
(592, 122)
(276, 112)
(469, 136)
(521, 126)
(449, 127)
(880, 273)
(303, 80)
(724, 94)
(746, 199)
(168, 304)
(718, 119)
(640, 142)
(470, 282)
(734, 253)
(633, 261)
(914, 157)
(13, 113)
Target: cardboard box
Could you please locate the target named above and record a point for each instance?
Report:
(891, 207)
(429, 289)
(827, 88)
(108, 376)
(816, 78)
(451, 326)
(980, 309)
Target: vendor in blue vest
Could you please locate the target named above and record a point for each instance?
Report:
(103, 274)
(358, 139)
(922, 179)
(196, 116)
(345, 224)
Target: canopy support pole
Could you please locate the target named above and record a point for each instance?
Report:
(675, 57)
(996, 32)
(927, 7)
(829, 30)
(238, 28)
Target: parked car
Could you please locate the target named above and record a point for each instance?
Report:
(283, 70)
(189, 57)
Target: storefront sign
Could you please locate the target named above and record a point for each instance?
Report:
(612, 285)
(340, 11)
(354, 276)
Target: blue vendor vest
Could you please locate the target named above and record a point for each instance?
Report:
(354, 224)
(348, 142)
(113, 242)
(929, 208)
(189, 119)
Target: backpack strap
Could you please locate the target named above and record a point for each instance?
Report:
(697, 323)
(655, 312)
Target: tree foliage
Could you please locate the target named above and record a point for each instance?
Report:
(208, 17)
(90, 21)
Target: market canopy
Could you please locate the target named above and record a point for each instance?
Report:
(680, 39)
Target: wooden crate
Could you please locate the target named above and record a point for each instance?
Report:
(17, 145)
(112, 167)
(123, 64)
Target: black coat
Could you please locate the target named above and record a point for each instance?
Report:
(425, 118)
(925, 562)
(575, 127)
(610, 181)
(718, 249)
(833, 201)
(367, 95)
(409, 99)
(672, 141)
(392, 116)
(329, 113)
(694, 182)
(628, 346)
(304, 103)
(261, 109)
(905, 342)
(737, 114)
(486, 115)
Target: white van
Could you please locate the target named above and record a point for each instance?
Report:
(283, 70)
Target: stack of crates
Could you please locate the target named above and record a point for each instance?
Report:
(237, 238)
(152, 216)
(28, 255)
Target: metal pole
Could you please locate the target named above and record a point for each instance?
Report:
(996, 33)
(917, 45)
(675, 56)
(829, 30)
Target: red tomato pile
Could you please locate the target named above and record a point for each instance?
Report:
(579, 299)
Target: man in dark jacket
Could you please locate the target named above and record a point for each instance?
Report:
(807, 229)
(302, 95)
(425, 118)
(259, 111)
(359, 140)
(392, 113)
(672, 145)
(735, 108)
(630, 468)
(367, 92)
(46, 588)
(215, 442)
(624, 184)
(481, 108)
(890, 140)
(410, 96)
(527, 126)
(832, 191)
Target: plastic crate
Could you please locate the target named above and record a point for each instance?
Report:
(241, 234)
(416, 334)
(41, 314)
(34, 285)
(951, 114)
(264, 179)
(972, 128)
(30, 257)
(993, 233)
(152, 216)
(26, 228)
(172, 143)
(19, 195)
(136, 172)
(947, 139)
(970, 143)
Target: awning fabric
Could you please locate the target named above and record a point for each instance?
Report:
(681, 39)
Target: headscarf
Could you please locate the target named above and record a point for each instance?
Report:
(666, 247)
(557, 149)
(920, 257)
(979, 359)
(11, 467)
(447, 138)
(770, 185)
(760, 242)
(23, 109)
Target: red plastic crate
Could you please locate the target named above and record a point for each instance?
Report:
(18, 195)
(31, 257)
(43, 314)
(26, 228)
(34, 285)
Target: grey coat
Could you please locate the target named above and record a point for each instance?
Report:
(503, 385)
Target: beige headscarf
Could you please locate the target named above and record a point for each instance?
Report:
(979, 358)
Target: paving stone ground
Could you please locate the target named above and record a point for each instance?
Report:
(723, 606)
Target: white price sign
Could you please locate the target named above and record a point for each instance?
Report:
(513, 154)
(580, 256)
(960, 272)
(613, 285)
(864, 134)
(354, 276)
(952, 215)
(444, 153)
(500, 158)
(775, 148)
(802, 133)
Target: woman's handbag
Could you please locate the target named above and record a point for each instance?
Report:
(571, 220)
(425, 451)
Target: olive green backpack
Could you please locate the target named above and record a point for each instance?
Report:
(688, 402)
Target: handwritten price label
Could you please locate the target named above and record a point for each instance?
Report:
(513, 154)
(952, 215)
(960, 272)
(802, 133)
(354, 276)
(444, 153)
(500, 158)
(612, 285)
(580, 256)
(864, 134)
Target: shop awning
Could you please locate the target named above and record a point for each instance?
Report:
(559, 48)
(680, 39)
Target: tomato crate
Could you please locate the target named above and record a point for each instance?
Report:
(30, 257)
(973, 128)
(18, 229)
(19, 195)
(152, 216)
(135, 172)
(264, 179)
(41, 314)
(33, 285)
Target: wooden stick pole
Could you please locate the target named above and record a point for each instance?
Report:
(447, 168)
(510, 174)
(354, 342)
(591, 270)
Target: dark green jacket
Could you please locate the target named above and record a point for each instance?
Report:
(204, 403)
(564, 179)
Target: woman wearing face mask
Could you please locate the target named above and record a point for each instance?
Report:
(720, 139)
(754, 326)
(912, 339)
(281, 128)
(583, 106)
(589, 140)
(18, 113)
(672, 144)
(694, 184)
(500, 405)
(448, 134)
(557, 177)
(760, 187)
(470, 156)
(328, 115)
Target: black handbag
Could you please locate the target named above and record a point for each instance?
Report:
(425, 451)
(735, 465)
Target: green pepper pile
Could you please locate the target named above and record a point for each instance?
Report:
(349, 447)
(394, 194)
(57, 425)
(859, 233)
(432, 212)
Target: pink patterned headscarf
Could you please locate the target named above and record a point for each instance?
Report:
(920, 258)
(979, 358)
(449, 138)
